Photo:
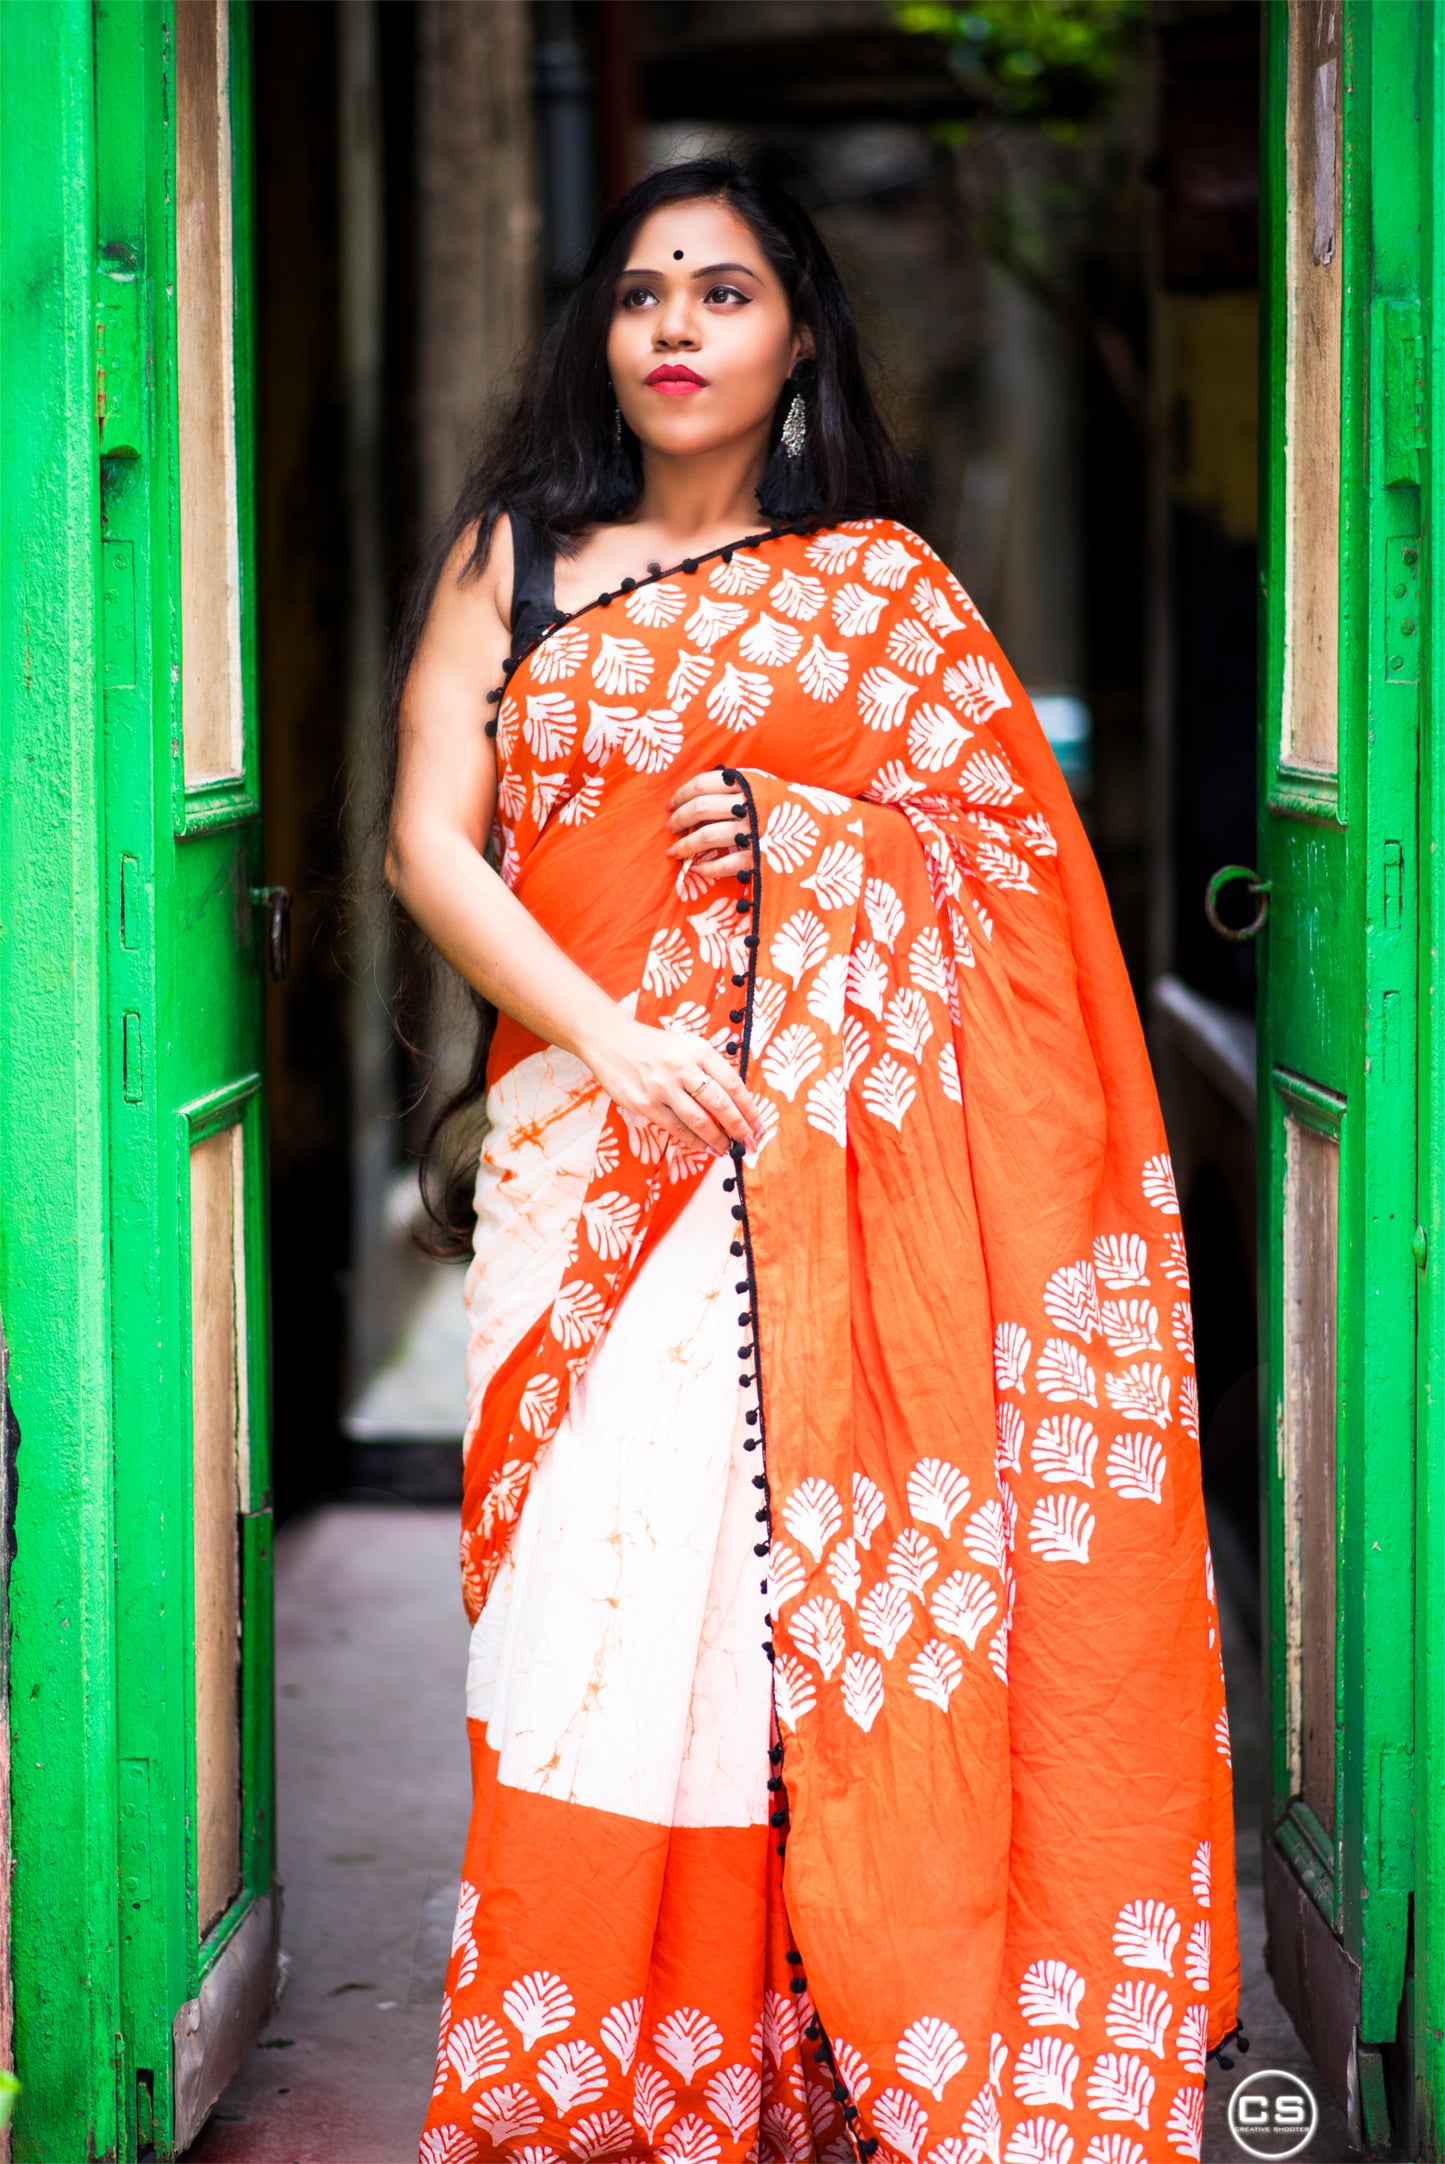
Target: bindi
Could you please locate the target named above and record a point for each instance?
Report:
(677, 255)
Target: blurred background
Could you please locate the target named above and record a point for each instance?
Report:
(1045, 211)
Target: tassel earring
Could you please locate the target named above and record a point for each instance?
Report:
(788, 491)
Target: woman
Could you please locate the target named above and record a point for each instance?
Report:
(845, 1696)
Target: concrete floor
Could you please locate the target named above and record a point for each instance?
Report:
(370, 1653)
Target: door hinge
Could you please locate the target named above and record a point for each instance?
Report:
(1404, 393)
(118, 370)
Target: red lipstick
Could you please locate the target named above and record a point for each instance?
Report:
(675, 380)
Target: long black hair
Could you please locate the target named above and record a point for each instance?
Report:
(558, 462)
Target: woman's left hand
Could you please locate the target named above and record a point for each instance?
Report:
(710, 822)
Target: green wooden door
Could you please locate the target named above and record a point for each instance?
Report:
(191, 1953)
(1339, 844)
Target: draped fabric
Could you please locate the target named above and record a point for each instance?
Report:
(845, 1696)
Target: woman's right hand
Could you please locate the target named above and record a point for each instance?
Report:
(678, 1081)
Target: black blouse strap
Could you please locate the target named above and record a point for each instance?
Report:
(534, 598)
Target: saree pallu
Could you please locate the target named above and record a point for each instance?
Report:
(845, 1693)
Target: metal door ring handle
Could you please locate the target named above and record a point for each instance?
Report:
(1224, 877)
(276, 901)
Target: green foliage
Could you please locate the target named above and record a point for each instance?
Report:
(1048, 61)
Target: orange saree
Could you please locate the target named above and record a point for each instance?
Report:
(845, 1692)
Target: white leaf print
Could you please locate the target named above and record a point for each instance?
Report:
(1071, 1300)
(867, 980)
(935, 1674)
(467, 1966)
(711, 621)
(477, 2048)
(572, 2074)
(1120, 2087)
(932, 604)
(964, 1606)
(982, 2131)
(833, 551)
(1131, 1326)
(789, 838)
(560, 654)
(1189, 1407)
(822, 672)
(893, 784)
(646, 1141)
(937, 1492)
(1185, 2124)
(935, 736)
(669, 964)
(780, 2025)
(688, 2041)
(1036, 834)
(997, 2060)
(868, 1508)
(1159, 1188)
(846, 1571)
(1063, 1449)
(884, 1616)
(986, 1537)
(823, 800)
(538, 1403)
(985, 778)
(786, 1575)
(501, 1503)
(448, 2145)
(1191, 2038)
(690, 1019)
(907, 1023)
(739, 697)
(912, 1561)
(601, 2134)
(1001, 868)
(911, 645)
(1061, 1528)
(1045, 2071)
(856, 611)
(1050, 1993)
(690, 673)
(538, 2005)
(1011, 1353)
(928, 965)
(901, 2122)
(813, 1514)
(551, 724)
(504, 2113)
(948, 1077)
(1141, 1392)
(1176, 1262)
(853, 2069)
(883, 699)
(791, 1058)
(1121, 1260)
(653, 2099)
(1063, 1375)
(1138, 2016)
(857, 1047)
(577, 1313)
(838, 880)
(1039, 2141)
(546, 790)
(828, 991)
(466, 1914)
(888, 563)
(1199, 1874)
(611, 1222)
(621, 667)
(888, 1090)
(1181, 1326)
(1114, 2149)
(734, 2096)
(930, 2052)
(828, 1106)
(620, 2030)
(974, 684)
(1135, 1467)
(768, 1116)
(785, 2136)
(799, 945)
(1009, 1454)
(1145, 1935)
(817, 1631)
(511, 803)
(798, 596)
(740, 574)
(583, 805)
(651, 741)
(716, 931)
(1196, 1954)
(769, 643)
(793, 1688)
(606, 728)
(769, 1000)
(662, 603)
